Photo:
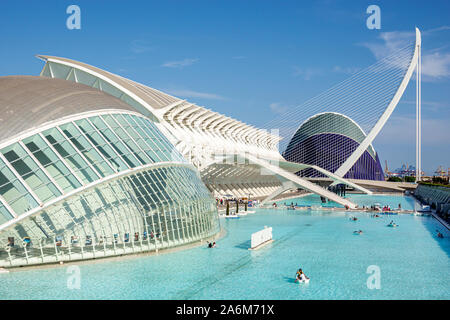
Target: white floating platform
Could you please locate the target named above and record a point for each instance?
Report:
(232, 216)
(261, 238)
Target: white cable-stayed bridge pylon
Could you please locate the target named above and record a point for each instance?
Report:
(362, 104)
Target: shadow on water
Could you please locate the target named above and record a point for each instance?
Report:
(433, 226)
(244, 245)
(289, 279)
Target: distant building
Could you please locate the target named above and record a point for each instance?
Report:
(327, 140)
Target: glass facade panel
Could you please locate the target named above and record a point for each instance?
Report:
(154, 135)
(139, 212)
(30, 172)
(89, 152)
(114, 141)
(70, 156)
(155, 151)
(13, 191)
(163, 154)
(126, 139)
(52, 164)
(4, 214)
(59, 70)
(105, 149)
(120, 118)
(155, 207)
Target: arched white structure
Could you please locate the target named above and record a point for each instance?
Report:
(83, 175)
(387, 113)
(202, 136)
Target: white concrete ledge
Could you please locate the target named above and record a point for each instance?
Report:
(261, 245)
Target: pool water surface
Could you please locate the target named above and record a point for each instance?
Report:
(412, 262)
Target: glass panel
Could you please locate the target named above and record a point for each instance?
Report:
(112, 139)
(13, 191)
(175, 155)
(59, 70)
(4, 214)
(151, 149)
(50, 161)
(125, 137)
(85, 78)
(30, 172)
(136, 137)
(106, 87)
(46, 71)
(163, 155)
(89, 152)
(70, 156)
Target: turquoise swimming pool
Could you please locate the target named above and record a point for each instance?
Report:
(413, 262)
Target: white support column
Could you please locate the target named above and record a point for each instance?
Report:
(345, 167)
(286, 185)
(418, 115)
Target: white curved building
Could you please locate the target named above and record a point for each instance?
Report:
(95, 165)
(232, 157)
(83, 175)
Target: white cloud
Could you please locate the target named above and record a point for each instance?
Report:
(278, 108)
(306, 73)
(180, 63)
(391, 42)
(347, 70)
(431, 105)
(435, 64)
(400, 130)
(186, 93)
(140, 46)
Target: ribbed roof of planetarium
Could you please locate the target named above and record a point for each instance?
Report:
(27, 102)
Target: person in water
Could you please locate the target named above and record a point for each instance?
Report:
(440, 235)
(300, 276)
(211, 244)
(393, 224)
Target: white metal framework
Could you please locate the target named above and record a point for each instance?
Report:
(368, 97)
(387, 113)
(100, 183)
(202, 136)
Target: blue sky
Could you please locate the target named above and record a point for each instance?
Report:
(247, 59)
